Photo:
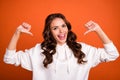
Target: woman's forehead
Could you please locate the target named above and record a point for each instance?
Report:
(57, 21)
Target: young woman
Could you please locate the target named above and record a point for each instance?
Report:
(59, 56)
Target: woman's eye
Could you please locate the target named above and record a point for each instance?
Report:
(54, 28)
(64, 25)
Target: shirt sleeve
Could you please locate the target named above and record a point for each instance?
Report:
(98, 55)
(22, 58)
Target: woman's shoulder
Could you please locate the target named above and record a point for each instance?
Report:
(35, 48)
(82, 43)
(85, 46)
(38, 46)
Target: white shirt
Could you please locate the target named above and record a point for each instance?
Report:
(64, 65)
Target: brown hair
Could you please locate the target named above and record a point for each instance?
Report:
(49, 43)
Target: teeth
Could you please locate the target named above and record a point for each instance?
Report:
(61, 37)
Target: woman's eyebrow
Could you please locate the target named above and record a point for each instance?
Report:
(54, 26)
(58, 26)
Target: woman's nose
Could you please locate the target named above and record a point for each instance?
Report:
(61, 30)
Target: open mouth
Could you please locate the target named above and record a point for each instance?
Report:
(61, 36)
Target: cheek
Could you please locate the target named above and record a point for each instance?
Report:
(54, 33)
(67, 30)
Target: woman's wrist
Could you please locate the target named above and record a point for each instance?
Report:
(17, 32)
(98, 30)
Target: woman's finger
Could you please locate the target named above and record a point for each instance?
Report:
(87, 32)
(25, 28)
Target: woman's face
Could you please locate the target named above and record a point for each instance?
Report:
(59, 30)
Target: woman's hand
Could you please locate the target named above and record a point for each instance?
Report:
(24, 28)
(92, 26)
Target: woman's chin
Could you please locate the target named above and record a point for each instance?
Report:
(61, 42)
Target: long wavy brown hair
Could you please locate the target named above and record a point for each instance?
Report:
(49, 43)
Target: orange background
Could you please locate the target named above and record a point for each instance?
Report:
(13, 12)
